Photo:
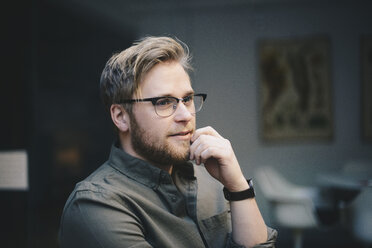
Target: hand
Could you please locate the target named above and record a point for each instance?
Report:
(218, 157)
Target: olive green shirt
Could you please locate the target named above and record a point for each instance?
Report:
(129, 203)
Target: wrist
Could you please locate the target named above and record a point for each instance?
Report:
(238, 186)
(240, 195)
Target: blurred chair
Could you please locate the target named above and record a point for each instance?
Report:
(361, 216)
(356, 175)
(293, 206)
(361, 208)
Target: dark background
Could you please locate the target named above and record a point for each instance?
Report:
(52, 54)
(51, 63)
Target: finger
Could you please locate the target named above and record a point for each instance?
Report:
(194, 145)
(205, 130)
(200, 145)
(202, 139)
(197, 152)
(205, 155)
(210, 152)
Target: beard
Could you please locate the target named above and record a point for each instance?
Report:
(157, 151)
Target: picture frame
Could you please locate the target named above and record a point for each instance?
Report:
(295, 89)
(366, 87)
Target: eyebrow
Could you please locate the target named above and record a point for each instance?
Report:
(191, 92)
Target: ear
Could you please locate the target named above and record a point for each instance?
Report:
(120, 117)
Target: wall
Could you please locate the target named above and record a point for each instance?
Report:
(223, 40)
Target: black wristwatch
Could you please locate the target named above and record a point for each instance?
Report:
(241, 195)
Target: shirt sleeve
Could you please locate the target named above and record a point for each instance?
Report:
(270, 243)
(94, 220)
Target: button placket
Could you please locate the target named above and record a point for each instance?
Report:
(169, 192)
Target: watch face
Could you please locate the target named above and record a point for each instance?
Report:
(250, 183)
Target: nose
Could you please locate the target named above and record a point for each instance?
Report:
(182, 113)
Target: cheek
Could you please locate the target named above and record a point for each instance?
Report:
(147, 119)
(156, 129)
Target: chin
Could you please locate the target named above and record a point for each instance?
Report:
(182, 155)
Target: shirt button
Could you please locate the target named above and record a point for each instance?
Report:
(174, 198)
(163, 178)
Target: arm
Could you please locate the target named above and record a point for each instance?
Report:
(216, 153)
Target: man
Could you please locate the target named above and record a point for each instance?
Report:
(148, 194)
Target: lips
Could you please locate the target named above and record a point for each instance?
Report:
(184, 133)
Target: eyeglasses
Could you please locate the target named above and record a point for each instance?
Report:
(166, 105)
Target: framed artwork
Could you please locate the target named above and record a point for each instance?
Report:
(295, 89)
(366, 54)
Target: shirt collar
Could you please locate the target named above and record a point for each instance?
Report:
(142, 171)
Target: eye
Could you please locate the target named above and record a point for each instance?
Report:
(188, 99)
(163, 102)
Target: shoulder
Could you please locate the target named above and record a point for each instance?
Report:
(105, 185)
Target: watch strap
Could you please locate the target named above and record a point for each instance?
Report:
(240, 195)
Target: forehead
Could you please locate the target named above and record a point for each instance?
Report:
(167, 78)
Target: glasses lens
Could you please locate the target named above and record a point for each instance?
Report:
(198, 103)
(165, 106)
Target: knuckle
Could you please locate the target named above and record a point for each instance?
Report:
(203, 138)
(209, 128)
(205, 153)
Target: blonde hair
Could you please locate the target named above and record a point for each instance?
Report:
(124, 71)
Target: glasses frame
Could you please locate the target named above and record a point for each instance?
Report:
(153, 100)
